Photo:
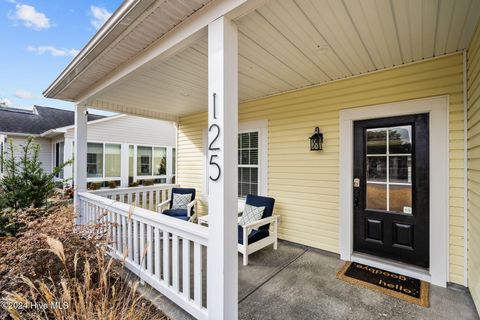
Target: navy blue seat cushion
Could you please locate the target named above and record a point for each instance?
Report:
(185, 218)
(259, 201)
(254, 236)
(175, 212)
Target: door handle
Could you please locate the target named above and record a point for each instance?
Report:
(356, 192)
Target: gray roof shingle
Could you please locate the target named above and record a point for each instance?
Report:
(38, 120)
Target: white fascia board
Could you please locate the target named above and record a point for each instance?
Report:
(19, 134)
(64, 129)
(172, 42)
(53, 132)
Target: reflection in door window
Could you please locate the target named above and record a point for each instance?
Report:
(389, 169)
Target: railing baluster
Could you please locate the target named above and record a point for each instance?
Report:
(94, 214)
(175, 256)
(150, 200)
(157, 200)
(118, 226)
(89, 214)
(166, 258)
(158, 252)
(130, 238)
(149, 250)
(186, 268)
(124, 237)
(109, 226)
(135, 241)
(142, 245)
(129, 198)
(114, 232)
(197, 274)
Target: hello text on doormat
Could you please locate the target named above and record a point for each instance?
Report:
(390, 283)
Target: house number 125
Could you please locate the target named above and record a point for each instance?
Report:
(211, 146)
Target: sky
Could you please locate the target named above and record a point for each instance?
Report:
(37, 41)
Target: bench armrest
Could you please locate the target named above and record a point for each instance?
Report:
(262, 222)
(163, 204)
(194, 204)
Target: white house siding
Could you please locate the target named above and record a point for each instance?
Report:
(45, 155)
(131, 129)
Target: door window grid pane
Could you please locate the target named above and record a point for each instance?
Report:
(247, 181)
(402, 142)
(247, 163)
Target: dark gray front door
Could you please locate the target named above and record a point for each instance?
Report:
(391, 188)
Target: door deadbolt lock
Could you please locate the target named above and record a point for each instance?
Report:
(356, 183)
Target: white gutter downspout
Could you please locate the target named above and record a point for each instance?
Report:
(465, 167)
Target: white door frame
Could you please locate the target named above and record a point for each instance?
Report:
(438, 108)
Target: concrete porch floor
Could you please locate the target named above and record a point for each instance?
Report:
(298, 282)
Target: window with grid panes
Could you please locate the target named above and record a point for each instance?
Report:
(248, 164)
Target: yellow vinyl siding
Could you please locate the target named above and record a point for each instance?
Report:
(305, 184)
(473, 63)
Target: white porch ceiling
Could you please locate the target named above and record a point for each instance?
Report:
(291, 44)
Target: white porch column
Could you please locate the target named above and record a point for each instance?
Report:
(67, 156)
(80, 170)
(124, 163)
(222, 291)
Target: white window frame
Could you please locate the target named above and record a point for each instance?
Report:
(54, 149)
(251, 165)
(104, 178)
(54, 155)
(137, 177)
(261, 126)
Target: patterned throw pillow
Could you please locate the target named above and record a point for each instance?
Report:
(180, 201)
(251, 214)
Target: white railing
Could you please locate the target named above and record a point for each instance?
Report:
(143, 197)
(165, 252)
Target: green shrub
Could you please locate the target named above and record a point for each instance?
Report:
(8, 226)
(148, 182)
(25, 183)
(94, 185)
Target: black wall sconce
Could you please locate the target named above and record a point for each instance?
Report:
(316, 140)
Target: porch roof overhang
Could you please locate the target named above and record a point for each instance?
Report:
(283, 46)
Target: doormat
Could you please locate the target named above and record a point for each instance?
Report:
(389, 283)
